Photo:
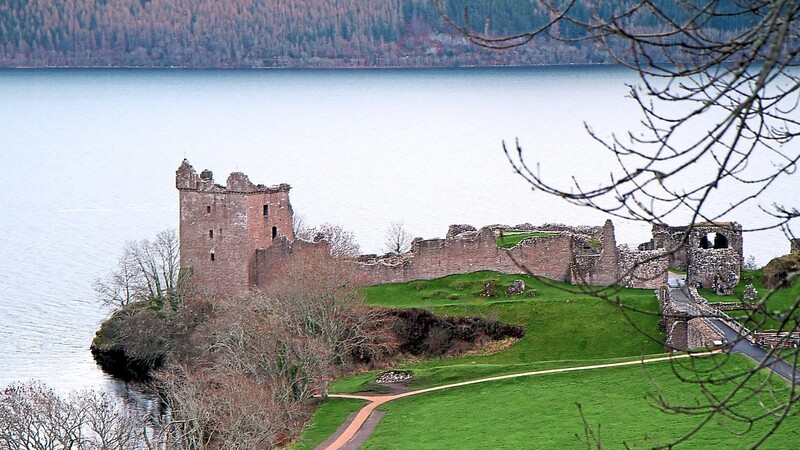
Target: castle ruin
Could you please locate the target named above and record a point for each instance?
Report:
(223, 227)
(239, 236)
(711, 254)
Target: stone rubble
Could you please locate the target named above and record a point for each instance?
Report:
(394, 376)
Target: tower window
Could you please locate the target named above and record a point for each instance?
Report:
(211, 234)
(266, 210)
(213, 258)
(208, 209)
(714, 240)
(274, 232)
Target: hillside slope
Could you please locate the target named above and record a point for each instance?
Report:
(282, 33)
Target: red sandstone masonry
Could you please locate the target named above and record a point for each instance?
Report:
(547, 256)
(229, 223)
(250, 248)
(272, 262)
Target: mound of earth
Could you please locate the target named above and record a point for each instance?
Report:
(776, 272)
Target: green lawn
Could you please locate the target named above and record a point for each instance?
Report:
(779, 304)
(326, 420)
(512, 238)
(540, 412)
(562, 329)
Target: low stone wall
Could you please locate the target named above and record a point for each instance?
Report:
(682, 330)
(643, 268)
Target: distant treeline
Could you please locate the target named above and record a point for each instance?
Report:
(282, 33)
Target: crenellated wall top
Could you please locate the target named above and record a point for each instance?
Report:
(187, 179)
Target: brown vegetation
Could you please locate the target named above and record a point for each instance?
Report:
(241, 372)
(33, 416)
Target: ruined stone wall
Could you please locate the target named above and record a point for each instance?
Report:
(673, 321)
(710, 253)
(221, 227)
(473, 251)
(717, 269)
(572, 254)
(276, 260)
(606, 270)
(699, 334)
(676, 330)
(643, 268)
(671, 239)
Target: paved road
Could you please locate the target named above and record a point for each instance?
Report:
(735, 342)
(758, 354)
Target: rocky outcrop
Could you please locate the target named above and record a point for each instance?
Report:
(777, 271)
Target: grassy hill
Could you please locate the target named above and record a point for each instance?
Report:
(564, 329)
(309, 33)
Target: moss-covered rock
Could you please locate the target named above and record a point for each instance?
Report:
(776, 272)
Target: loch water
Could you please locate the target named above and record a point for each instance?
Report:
(87, 163)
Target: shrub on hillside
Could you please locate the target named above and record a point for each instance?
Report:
(139, 339)
(423, 333)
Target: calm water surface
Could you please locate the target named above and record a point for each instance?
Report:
(87, 161)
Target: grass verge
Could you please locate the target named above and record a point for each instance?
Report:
(328, 417)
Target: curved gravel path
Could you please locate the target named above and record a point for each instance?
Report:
(346, 440)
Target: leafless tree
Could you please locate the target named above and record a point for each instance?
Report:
(741, 89)
(398, 239)
(146, 271)
(33, 416)
(264, 357)
(320, 300)
(216, 408)
(342, 242)
(301, 227)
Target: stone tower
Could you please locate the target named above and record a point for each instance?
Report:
(222, 227)
(711, 253)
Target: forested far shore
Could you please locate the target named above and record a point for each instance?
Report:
(291, 33)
